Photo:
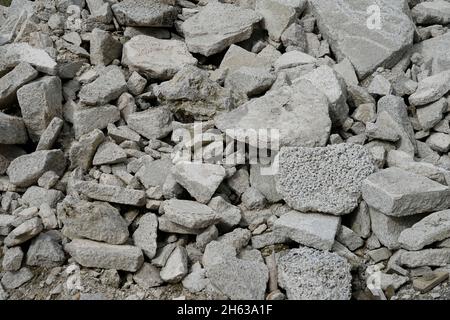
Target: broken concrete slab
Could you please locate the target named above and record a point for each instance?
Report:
(189, 214)
(15, 79)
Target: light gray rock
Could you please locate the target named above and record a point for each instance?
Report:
(253, 199)
(431, 89)
(201, 180)
(154, 123)
(24, 232)
(348, 238)
(439, 141)
(45, 252)
(430, 229)
(176, 267)
(97, 221)
(166, 225)
(136, 83)
(100, 11)
(93, 254)
(292, 59)
(48, 180)
(109, 153)
(239, 181)
(15, 53)
(36, 196)
(430, 115)
(360, 221)
(217, 26)
(366, 49)
(48, 216)
(277, 16)
(108, 86)
(346, 70)
(266, 184)
(82, 151)
(396, 192)
(26, 170)
(379, 86)
(299, 112)
(380, 254)
(148, 277)
(309, 229)
(13, 130)
(87, 119)
(238, 238)
(40, 101)
(156, 58)
(12, 259)
(16, 279)
(230, 215)
(12, 81)
(250, 81)
(196, 280)
(154, 173)
(104, 48)
(145, 13)
(435, 50)
(309, 274)
(427, 257)
(145, 235)
(433, 12)
(189, 214)
(111, 194)
(324, 180)
(388, 229)
(50, 135)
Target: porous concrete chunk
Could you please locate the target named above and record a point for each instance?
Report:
(45, 252)
(201, 180)
(432, 12)
(154, 173)
(230, 215)
(439, 141)
(51, 133)
(111, 194)
(24, 232)
(12, 130)
(326, 80)
(310, 274)
(427, 257)
(36, 196)
(299, 112)
(310, 229)
(82, 151)
(176, 267)
(27, 169)
(217, 26)
(145, 235)
(15, 53)
(388, 229)
(154, 123)
(325, 179)
(14, 280)
(12, 81)
(12, 259)
(396, 192)
(365, 50)
(109, 153)
(96, 220)
(40, 101)
(87, 119)
(277, 16)
(104, 48)
(189, 214)
(430, 115)
(148, 277)
(144, 13)
(93, 254)
(431, 89)
(156, 58)
(348, 238)
(108, 86)
(430, 229)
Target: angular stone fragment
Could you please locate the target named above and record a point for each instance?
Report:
(14, 280)
(349, 238)
(108, 86)
(144, 13)
(12, 130)
(13, 54)
(189, 214)
(12, 259)
(435, 50)
(430, 229)
(40, 101)
(166, 225)
(176, 267)
(277, 16)
(36, 196)
(250, 81)
(145, 235)
(309, 274)
(45, 252)
(217, 26)
(154, 123)
(97, 221)
(109, 153)
(156, 58)
(427, 257)
(430, 115)
(11, 82)
(439, 141)
(299, 112)
(82, 151)
(425, 284)
(398, 193)
(112, 194)
(154, 173)
(148, 277)
(360, 221)
(51, 133)
(367, 49)
(201, 180)
(431, 89)
(26, 170)
(93, 254)
(309, 229)
(87, 119)
(324, 180)
(24, 232)
(432, 12)
(103, 47)
(230, 215)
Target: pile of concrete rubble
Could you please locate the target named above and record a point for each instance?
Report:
(101, 199)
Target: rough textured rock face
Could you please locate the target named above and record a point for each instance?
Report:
(238, 149)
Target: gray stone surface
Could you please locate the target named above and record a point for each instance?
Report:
(24, 232)
(15, 53)
(366, 49)
(145, 235)
(348, 238)
(189, 214)
(12, 259)
(13, 130)
(154, 173)
(324, 180)
(217, 26)
(87, 119)
(266, 184)
(45, 252)
(398, 193)
(36, 196)
(144, 13)
(82, 151)
(50, 135)
(93, 254)
(309, 229)
(14, 280)
(148, 277)
(176, 266)
(230, 215)
(427, 257)
(430, 115)
(154, 123)
(104, 48)
(309, 274)
(431, 89)
(433, 12)
(109, 153)
(12, 81)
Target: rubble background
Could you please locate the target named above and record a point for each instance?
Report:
(97, 199)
